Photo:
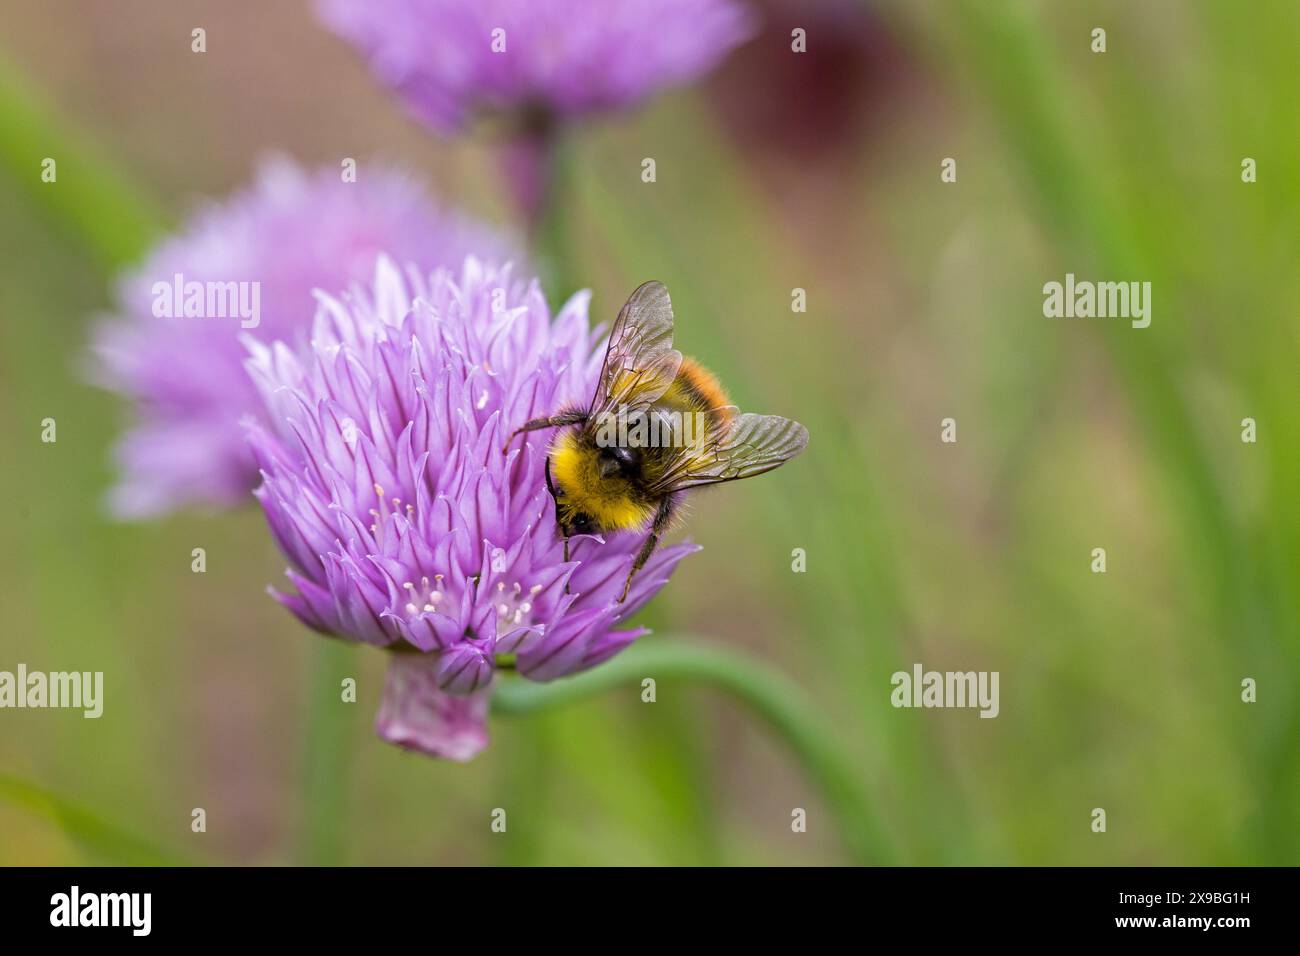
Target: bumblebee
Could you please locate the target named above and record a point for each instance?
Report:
(658, 425)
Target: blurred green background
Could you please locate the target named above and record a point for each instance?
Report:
(1119, 691)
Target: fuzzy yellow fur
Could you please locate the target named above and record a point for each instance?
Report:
(576, 470)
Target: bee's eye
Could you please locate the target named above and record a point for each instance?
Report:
(615, 460)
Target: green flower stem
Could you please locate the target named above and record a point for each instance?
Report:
(89, 197)
(117, 844)
(774, 698)
(327, 756)
(551, 237)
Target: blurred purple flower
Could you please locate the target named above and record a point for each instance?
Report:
(811, 107)
(406, 527)
(554, 58)
(291, 232)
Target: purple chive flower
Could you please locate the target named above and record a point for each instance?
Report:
(449, 59)
(406, 527)
(270, 246)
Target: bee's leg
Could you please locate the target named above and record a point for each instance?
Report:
(662, 517)
(574, 417)
(566, 560)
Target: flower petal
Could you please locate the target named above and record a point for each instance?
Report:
(464, 668)
(419, 715)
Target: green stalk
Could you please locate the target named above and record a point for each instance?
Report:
(89, 197)
(778, 701)
(550, 233)
(327, 754)
(118, 845)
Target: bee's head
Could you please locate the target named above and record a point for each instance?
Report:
(592, 485)
(613, 460)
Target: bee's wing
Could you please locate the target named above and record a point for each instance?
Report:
(752, 445)
(640, 361)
